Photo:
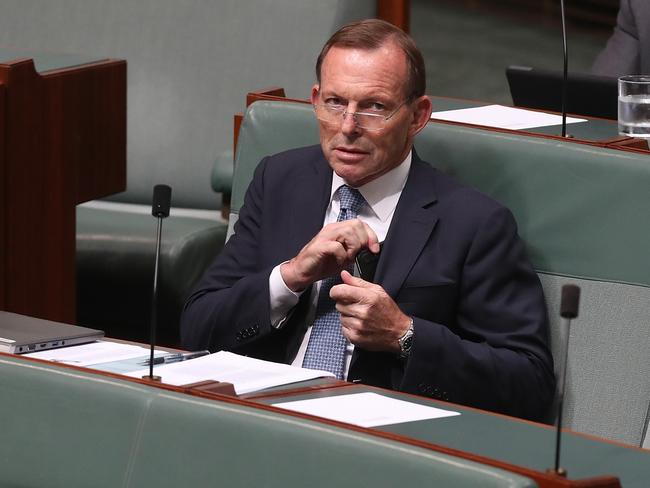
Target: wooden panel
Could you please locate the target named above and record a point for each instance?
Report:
(64, 143)
(397, 12)
(3, 207)
(36, 193)
(90, 107)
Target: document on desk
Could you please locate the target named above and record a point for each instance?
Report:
(503, 117)
(366, 409)
(93, 353)
(246, 374)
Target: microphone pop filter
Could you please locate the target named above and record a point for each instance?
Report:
(162, 200)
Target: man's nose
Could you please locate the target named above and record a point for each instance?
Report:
(349, 124)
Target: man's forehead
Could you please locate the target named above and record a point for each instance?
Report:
(388, 49)
(386, 65)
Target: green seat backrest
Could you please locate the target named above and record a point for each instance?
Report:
(64, 428)
(583, 213)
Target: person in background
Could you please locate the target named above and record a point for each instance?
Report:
(628, 49)
(455, 310)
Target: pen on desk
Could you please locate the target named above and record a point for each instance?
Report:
(174, 358)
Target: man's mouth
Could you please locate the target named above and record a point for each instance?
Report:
(345, 150)
(349, 155)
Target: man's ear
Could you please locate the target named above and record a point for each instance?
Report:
(314, 94)
(421, 114)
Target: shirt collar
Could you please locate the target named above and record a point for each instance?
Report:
(381, 194)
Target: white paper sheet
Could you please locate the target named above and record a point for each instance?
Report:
(93, 353)
(246, 374)
(503, 117)
(366, 409)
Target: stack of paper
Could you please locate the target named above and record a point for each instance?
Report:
(503, 117)
(246, 374)
(366, 409)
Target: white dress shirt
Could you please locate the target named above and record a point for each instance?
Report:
(381, 195)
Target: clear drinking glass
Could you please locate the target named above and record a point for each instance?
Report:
(634, 106)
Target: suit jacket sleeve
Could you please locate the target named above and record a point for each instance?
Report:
(494, 355)
(230, 306)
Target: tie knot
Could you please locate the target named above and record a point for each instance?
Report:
(351, 200)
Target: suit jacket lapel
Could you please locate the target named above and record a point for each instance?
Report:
(311, 198)
(414, 219)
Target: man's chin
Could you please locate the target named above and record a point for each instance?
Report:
(351, 175)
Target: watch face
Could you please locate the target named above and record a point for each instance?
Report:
(406, 342)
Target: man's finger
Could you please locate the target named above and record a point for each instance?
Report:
(347, 294)
(348, 279)
(373, 240)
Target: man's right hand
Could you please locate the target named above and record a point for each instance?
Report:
(330, 251)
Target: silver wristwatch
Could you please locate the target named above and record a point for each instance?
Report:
(406, 342)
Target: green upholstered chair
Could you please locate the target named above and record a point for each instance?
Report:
(190, 65)
(583, 213)
(115, 263)
(75, 429)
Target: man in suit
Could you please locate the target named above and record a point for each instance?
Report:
(455, 311)
(628, 49)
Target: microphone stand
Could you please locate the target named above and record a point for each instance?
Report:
(568, 311)
(566, 70)
(160, 209)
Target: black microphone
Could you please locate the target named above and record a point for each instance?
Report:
(162, 198)
(568, 311)
(565, 75)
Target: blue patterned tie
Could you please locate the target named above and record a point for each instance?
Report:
(326, 347)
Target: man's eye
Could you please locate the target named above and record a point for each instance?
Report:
(376, 107)
(334, 102)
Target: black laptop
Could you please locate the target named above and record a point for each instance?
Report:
(587, 94)
(21, 334)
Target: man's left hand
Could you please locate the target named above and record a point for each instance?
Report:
(370, 318)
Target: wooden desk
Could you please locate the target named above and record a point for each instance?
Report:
(62, 142)
(516, 445)
(512, 444)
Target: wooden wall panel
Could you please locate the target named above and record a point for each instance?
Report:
(64, 143)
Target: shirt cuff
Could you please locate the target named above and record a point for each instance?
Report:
(282, 298)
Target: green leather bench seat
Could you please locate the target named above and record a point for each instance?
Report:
(583, 213)
(73, 429)
(116, 247)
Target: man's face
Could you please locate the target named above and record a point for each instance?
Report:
(367, 81)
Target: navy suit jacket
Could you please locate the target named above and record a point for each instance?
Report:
(452, 260)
